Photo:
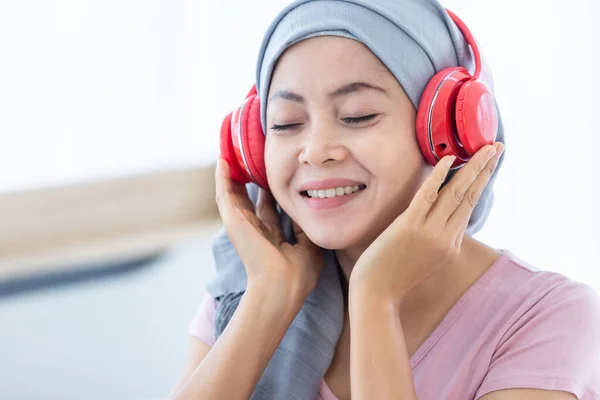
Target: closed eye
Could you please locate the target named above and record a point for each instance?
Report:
(357, 120)
(348, 120)
(279, 128)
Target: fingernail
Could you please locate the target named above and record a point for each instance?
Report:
(450, 161)
(491, 152)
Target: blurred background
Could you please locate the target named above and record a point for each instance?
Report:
(109, 119)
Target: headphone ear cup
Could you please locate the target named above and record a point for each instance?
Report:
(228, 152)
(436, 127)
(425, 107)
(476, 116)
(253, 139)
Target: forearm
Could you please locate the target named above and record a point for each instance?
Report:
(379, 366)
(238, 359)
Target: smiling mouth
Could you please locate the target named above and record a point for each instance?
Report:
(333, 192)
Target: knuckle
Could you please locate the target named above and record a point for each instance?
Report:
(430, 195)
(492, 167)
(458, 194)
(445, 251)
(474, 197)
(448, 250)
(478, 167)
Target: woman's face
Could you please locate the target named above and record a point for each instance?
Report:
(337, 119)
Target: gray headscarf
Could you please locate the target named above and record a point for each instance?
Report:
(415, 39)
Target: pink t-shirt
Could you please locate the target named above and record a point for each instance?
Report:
(516, 327)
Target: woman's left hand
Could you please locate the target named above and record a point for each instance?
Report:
(428, 235)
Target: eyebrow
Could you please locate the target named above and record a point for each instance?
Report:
(341, 91)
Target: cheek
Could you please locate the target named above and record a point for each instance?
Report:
(400, 158)
(394, 150)
(279, 163)
(397, 165)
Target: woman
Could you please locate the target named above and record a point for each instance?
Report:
(359, 260)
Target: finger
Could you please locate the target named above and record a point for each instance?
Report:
(234, 193)
(244, 229)
(459, 220)
(241, 196)
(455, 191)
(270, 219)
(301, 236)
(265, 208)
(427, 194)
(247, 236)
(461, 235)
(222, 175)
(223, 189)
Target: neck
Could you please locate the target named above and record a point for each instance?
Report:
(347, 258)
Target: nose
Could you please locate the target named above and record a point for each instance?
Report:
(322, 144)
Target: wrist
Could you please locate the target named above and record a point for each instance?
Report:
(374, 296)
(278, 300)
(369, 310)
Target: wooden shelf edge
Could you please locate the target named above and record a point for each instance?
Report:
(71, 227)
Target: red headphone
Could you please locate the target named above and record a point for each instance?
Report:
(457, 116)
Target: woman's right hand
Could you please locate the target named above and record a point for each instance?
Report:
(270, 261)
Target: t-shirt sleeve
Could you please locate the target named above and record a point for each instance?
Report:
(555, 345)
(204, 319)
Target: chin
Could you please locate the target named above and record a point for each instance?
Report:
(333, 237)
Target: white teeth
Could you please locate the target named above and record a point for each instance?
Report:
(333, 192)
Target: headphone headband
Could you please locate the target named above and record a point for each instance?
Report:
(470, 40)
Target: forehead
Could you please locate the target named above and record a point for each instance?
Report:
(327, 58)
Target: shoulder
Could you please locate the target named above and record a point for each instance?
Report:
(550, 331)
(540, 290)
(524, 287)
(537, 299)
